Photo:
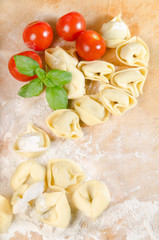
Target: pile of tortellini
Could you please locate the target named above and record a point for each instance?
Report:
(117, 91)
(53, 191)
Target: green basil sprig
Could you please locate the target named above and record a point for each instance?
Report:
(26, 65)
(32, 89)
(56, 97)
(54, 80)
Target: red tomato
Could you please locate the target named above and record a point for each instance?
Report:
(70, 26)
(90, 45)
(13, 70)
(38, 35)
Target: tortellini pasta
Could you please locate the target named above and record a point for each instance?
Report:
(131, 80)
(65, 123)
(115, 32)
(65, 185)
(76, 88)
(27, 172)
(24, 194)
(64, 173)
(5, 214)
(91, 198)
(116, 100)
(32, 143)
(58, 58)
(133, 52)
(96, 70)
(90, 110)
(72, 52)
(53, 209)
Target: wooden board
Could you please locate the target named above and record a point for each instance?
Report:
(131, 142)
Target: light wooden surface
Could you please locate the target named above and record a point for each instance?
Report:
(137, 130)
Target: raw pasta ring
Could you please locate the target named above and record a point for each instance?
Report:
(91, 198)
(53, 208)
(64, 128)
(5, 214)
(133, 52)
(134, 80)
(116, 100)
(91, 110)
(64, 174)
(32, 154)
(28, 172)
(96, 70)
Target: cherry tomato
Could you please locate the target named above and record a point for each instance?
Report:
(38, 35)
(15, 73)
(90, 45)
(70, 26)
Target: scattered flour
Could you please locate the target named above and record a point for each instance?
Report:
(31, 142)
(126, 218)
(138, 224)
(129, 219)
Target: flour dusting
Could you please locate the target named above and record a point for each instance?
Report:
(108, 153)
(138, 223)
(130, 219)
(109, 161)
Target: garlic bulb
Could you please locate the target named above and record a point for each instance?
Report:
(115, 32)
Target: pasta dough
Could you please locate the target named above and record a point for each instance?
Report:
(91, 198)
(27, 172)
(131, 80)
(96, 70)
(54, 209)
(65, 123)
(32, 143)
(90, 110)
(64, 173)
(116, 100)
(115, 32)
(76, 88)
(133, 52)
(58, 58)
(24, 194)
(5, 214)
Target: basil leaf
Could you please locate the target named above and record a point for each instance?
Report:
(48, 82)
(58, 77)
(40, 73)
(56, 97)
(34, 88)
(25, 65)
